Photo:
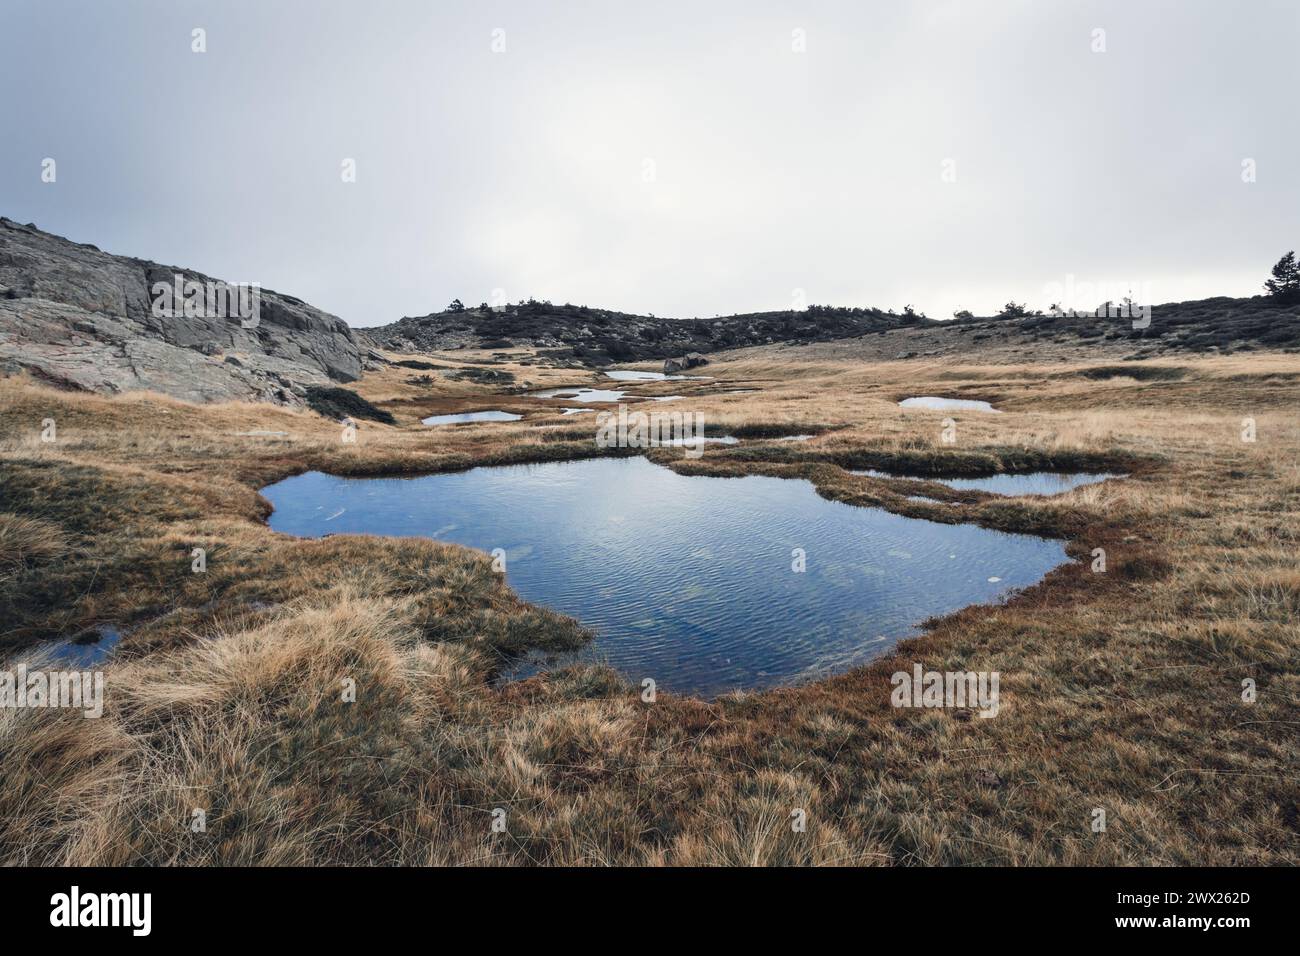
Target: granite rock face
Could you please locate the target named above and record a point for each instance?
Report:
(80, 318)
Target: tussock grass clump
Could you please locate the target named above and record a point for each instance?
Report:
(1142, 372)
(339, 403)
(331, 731)
(25, 542)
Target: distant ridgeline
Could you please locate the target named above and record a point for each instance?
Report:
(600, 336)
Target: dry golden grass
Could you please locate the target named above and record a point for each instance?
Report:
(26, 541)
(1120, 691)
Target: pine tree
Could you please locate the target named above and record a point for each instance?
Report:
(1285, 284)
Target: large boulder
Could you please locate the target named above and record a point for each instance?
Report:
(689, 360)
(80, 318)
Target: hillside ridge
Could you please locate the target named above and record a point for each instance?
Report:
(581, 335)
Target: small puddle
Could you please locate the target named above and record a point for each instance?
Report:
(85, 649)
(795, 437)
(710, 440)
(573, 411)
(583, 394)
(1025, 483)
(495, 415)
(630, 375)
(966, 404)
(1029, 483)
(704, 584)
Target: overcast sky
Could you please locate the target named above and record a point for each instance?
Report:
(681, 159)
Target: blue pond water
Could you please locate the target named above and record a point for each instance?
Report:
(689, 580)
(495, 415)
(91, 649)
(1026, 483)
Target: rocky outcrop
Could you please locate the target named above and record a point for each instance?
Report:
(80, 318)
(689, 360)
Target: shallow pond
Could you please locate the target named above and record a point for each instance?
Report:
(583, 394)
(629, 375)
(689, 580)
(958, 404)
(495, 415)
(1026, 483)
